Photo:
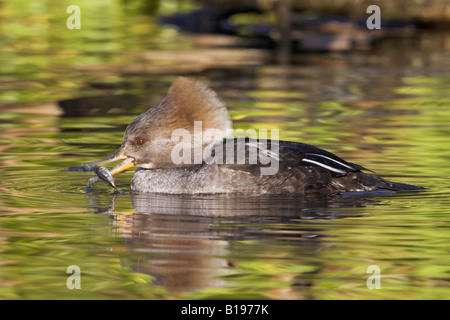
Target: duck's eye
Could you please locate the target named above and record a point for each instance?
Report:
(140, 142)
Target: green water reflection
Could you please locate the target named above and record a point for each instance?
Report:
(66, 97)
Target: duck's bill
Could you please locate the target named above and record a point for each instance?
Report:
(124, 165)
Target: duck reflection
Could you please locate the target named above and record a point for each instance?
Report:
(188, 243)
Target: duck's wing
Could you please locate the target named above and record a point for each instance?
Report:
(312, 156)
(288, 153)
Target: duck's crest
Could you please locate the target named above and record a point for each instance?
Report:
(188, 101)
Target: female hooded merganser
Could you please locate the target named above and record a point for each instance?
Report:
(180, 148)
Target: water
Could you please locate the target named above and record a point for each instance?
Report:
(66, 98)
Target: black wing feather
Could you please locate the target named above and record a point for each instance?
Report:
(302, 155)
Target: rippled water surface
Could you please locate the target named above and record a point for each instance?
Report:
(67, 96)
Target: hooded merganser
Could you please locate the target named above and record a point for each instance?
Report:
(192, 110)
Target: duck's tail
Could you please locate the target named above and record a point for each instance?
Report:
(366, 182)
(397, 186)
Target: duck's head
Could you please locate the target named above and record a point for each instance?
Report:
(150, 139)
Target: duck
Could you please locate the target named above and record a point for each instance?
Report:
(183, 146)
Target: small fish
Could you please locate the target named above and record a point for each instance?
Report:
(102, 172)
(105, 175)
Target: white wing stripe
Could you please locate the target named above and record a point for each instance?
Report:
(342, 164)
(324, 166)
